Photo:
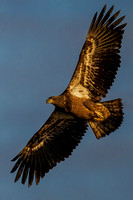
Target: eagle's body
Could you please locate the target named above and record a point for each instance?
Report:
(80, 103)
(80, 107)
(72, 104)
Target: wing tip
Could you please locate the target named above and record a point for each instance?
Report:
(12, 171)
(15, 158)
(104, 8)
(103, 19)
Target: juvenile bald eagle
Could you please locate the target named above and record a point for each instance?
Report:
(80, 103)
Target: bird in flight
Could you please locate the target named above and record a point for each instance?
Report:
(80, 104)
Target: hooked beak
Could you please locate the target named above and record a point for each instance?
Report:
(49, 100)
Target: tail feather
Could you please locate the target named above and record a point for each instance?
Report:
(109, 125)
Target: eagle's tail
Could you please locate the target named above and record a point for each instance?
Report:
(103, 128)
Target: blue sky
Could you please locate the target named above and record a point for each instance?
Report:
(40, 42)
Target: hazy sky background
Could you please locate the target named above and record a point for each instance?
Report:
(40, 42)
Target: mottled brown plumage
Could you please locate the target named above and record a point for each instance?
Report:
(80, 103)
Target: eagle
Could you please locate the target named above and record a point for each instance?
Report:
(80, 104)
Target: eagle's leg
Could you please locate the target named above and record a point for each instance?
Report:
(101, 113)
(100, 117)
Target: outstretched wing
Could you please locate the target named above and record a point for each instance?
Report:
(53, 143)
(99, 59)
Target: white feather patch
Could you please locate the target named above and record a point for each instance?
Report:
(79, 91)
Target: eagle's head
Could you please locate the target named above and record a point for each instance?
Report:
(57, 101)
(51, 100)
